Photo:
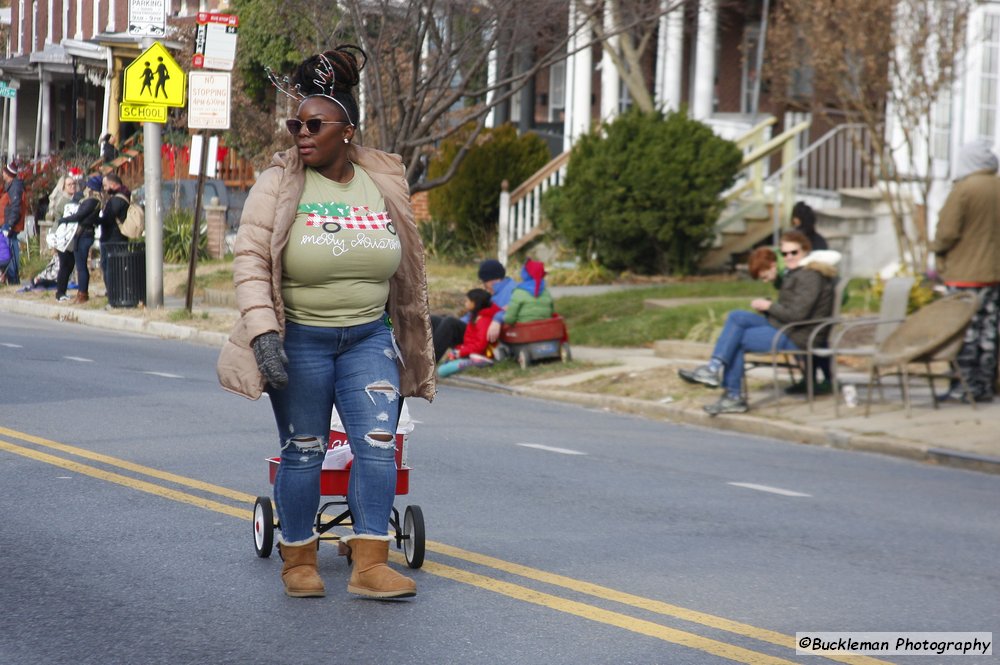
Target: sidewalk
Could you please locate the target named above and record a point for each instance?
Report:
(954, 435)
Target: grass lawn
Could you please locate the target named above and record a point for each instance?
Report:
(620, 318)
(616, 319)
(623, 319)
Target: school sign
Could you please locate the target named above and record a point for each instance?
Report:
(154, 78)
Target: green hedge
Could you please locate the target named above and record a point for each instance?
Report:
(469, 203)
(642, 194)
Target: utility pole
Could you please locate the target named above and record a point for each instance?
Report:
(151, 139)
(196, 224)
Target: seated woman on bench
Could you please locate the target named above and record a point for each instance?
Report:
(806, 293)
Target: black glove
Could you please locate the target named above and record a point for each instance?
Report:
(271, 359)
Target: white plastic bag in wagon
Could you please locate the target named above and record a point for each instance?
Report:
(338, 453)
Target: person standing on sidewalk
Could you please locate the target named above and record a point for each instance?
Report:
(14, 207)
(86, 216)
(806, 293)
(967, 250)
(116, 204)
(108, 150)
(329, 273)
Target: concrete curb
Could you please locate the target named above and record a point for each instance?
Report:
(747, 424)
(111, 321)
(750, 424)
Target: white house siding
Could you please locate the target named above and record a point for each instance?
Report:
(974, 103)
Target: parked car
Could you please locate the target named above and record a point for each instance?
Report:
(181, 195)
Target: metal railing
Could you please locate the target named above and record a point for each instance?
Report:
(521, 210)
(753, 188)
(843, 158)
(232, 169)
(836, 160)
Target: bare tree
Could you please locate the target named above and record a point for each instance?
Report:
(429, 65)
(884, 64)
(436, 66)
(627, 46)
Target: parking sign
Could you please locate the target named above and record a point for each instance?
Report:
(147, 17)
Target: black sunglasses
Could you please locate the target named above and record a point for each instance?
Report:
(313, 125)
(791, 253)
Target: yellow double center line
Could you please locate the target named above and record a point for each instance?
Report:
(515, 591)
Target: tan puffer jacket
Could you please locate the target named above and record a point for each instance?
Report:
(264, 228)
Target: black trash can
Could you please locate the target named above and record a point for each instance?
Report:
(126, 279)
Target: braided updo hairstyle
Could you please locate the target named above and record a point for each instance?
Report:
(347, 75)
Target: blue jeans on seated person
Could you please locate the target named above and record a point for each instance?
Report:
(744, 332)
(355, 369)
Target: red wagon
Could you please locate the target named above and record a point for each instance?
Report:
(535, 340)
(409, 532)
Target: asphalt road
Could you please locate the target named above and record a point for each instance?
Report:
(555, 534)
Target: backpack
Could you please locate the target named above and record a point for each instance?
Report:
(5, 255)
(134, 224)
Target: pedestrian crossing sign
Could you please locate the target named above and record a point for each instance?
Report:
(154, 78)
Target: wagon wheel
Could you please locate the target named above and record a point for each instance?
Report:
(565, 354)
(413, 529)
(523, 358)
(263, 526)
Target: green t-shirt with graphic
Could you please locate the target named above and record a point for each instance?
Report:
(341, 252)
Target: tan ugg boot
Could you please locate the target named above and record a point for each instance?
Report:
(371, 576)
(299, 573)
(81, 297)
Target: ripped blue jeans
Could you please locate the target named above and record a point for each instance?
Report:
(355, 369)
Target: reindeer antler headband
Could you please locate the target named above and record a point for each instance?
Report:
(323, 76)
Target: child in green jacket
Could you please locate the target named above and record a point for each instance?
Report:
(531, 300)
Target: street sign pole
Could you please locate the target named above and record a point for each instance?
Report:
(196, 224)
(154, 224)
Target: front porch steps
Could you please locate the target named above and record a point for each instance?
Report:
(739, 237)
(861, 229)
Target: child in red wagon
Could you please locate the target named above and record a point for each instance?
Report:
(531, 300)
(474, 349)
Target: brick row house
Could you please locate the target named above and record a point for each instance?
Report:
(64, 58)
(706, 59)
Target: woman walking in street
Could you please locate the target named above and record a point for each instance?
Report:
(331, 287)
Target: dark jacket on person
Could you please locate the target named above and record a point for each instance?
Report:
(816, 240)
(11, 201)
(806, 293)
(108, 152)
(967, 240)
(87, 216)
(113, 213)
